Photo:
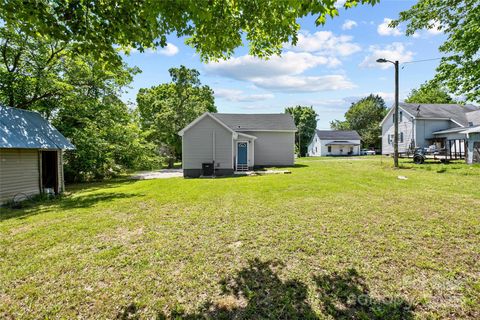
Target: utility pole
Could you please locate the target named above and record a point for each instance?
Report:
(395, 112)
(395, 142)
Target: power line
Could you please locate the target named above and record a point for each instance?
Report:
(424, 60)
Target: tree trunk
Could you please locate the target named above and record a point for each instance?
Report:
(171, 162)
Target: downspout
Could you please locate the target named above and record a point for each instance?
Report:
(213, 140)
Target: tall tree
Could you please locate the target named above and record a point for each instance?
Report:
(213, 28)
(36, 72)
(364, 116)
(429, 93)
(79, 94)
(306, 121)
(167, 108)
(460, 22)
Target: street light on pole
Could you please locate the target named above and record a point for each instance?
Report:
(395, 134)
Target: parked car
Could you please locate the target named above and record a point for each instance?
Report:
(367, 152)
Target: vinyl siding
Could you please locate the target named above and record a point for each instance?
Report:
(405, 126)
(425, 128)
(274, 148)
(19, 173)
(197, 145)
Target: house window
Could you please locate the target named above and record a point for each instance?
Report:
(401, 116)
(315, 149)
(389, 139)
(329, 148)
(401, 137)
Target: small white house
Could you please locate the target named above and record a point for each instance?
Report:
(218, 144)
(334, 143)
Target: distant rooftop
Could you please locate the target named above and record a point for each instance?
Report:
(338, 135)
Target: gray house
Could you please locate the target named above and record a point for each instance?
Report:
(222, 143)
(334, 143)
(424, 125)
(31, 159)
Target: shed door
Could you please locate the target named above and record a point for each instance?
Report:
(242, 152)
(50, 170)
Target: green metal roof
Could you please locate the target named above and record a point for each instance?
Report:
(29, 130)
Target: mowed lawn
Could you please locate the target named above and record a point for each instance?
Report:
(337, 238)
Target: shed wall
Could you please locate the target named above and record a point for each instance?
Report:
(19, 173)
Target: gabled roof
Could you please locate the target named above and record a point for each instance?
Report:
(474, 117)
(206, 114)
(338, 135)
(29, 130)
(257, 122)
(455, 112)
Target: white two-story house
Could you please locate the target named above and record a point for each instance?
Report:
(423, 125)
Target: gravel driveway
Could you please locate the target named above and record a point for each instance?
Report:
(158, 174)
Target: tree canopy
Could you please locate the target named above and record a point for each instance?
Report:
(364, 116)
(214, 28)
(306, 121)
(429, 93)
(81, 97)
(167, 108)
(459, 69)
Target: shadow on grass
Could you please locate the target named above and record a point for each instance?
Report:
(63, 203)
(346, 296)
(97, 185)
(257, 292)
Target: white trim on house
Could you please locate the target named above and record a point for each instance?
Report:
(247, 135)
(193, 123)
(255, 130)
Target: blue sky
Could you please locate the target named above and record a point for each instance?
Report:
(330, 66)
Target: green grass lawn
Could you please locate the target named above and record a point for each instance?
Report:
(337, 238)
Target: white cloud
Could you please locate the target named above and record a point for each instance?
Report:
(304, 83)
(384, 30)
(435, 28)
(248, 67)
(349, 24)
(169, 50)
(326, 43)
(286, 72)
(394, 51)
(340, 3)
(281, 73)
(240, 96)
